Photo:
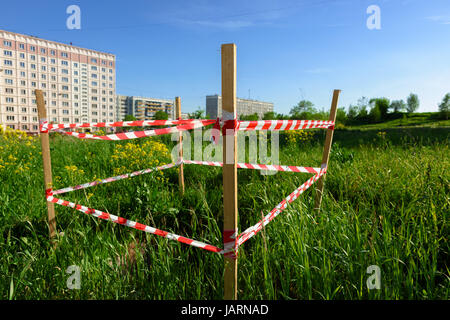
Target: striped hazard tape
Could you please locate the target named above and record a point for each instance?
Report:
(274, 125)
(132, 224)
(136, 134)
(271, 167)
(251, 231)
(116, 178)
(45, 127)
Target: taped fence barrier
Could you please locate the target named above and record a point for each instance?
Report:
(135, 134)
(132, 224)
(116, 178)
(253, 230)
(45, 126)
(269, 167)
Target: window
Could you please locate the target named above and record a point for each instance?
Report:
(9, 100)
(75, 65)
(24, 110)
(8, 72)
(64, 63)
(64, 54)
(22, 64)
(7, 43)
(9, 90)
(65, 112)
(23, 74)
(43, 68)
(33, 66)
(52, 61)
(22, 46)
(22, 55)
(65, 79)
(33, 57)
(64, 71)
(10, 109)
(10, 118)
(7, 53)
(32, 48)
(52, 52)
(93, 68)
(43, 59)
(93, 60)
(42, 50)
(65, 88)
(9, 81)
(94, 83)
(8, 62)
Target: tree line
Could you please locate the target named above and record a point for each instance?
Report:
(365, 111)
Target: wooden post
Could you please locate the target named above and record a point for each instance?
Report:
(327, 149)
(230, 210)
(180, 143)
(45, 146)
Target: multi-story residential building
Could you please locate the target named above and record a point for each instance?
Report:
(143, 108)
(79, 84)
(243, 107)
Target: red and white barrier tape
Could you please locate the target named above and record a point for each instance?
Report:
(274, 125)
(116, 178)
(132, 224)
(251, 231)
(45, 126)
(271, 167)
(136, 134)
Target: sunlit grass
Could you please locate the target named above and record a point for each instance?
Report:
(386, 204)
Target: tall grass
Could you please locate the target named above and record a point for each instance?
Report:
(386, 203)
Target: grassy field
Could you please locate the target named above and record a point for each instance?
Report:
(386, 203)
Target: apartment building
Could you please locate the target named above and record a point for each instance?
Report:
(143, 108)
(79, 84)
(243, 107)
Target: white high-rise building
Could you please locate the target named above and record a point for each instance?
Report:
(79, 84)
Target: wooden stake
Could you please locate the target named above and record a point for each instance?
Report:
(326, 150)
(230, 210)
(46, 160)
(180, 143)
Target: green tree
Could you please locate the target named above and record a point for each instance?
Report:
(249, 117)
(444, 107)
(303, 106)
(382, 104)
(341, 116)
(197, 114)
(161, 115)
(412, 103)
(352, 113)
(270, 115)
(398, 106)
(129, 117)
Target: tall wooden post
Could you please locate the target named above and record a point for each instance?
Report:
(230, 210)
(327, 149)
(45, 146)
(180, 143)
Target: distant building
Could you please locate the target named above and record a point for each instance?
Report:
(142, 108)
(243, 106)
(79, 84)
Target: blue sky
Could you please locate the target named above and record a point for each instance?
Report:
(287, 50)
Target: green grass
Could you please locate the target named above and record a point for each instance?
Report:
(386, 203)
